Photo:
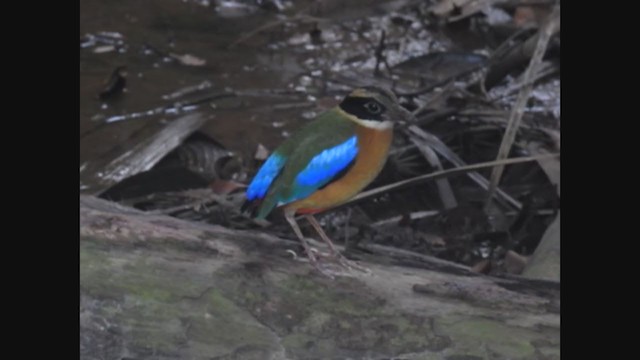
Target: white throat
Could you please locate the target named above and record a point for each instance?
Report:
(374, 124)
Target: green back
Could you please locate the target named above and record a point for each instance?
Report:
(328, 130)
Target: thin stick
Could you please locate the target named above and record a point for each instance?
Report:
(174, 209)
(444, 187)
(444, 150)
(448, 172)
(518, 110)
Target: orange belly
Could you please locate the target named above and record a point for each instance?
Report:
(373, 149)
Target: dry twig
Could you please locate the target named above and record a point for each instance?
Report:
(448, 172)
(552, 24)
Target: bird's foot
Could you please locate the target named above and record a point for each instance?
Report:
(325, 262)
(336, 257)
(349, 264)
(313, 256)
(318, 265)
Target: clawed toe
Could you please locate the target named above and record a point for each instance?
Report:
(352, 265)
(341, 261)
(314, 255)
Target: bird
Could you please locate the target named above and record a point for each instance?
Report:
(327, 162)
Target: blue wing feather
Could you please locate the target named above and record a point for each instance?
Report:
(328, 163)
(323, 168)
(263, 179)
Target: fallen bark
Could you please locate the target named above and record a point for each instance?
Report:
(139, 153)
(153, 286)
(545, 261)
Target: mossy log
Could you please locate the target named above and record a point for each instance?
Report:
(156, 287)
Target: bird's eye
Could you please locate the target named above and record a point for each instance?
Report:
(372, 107)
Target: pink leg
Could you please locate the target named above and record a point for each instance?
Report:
(290, 216)
(341, 259)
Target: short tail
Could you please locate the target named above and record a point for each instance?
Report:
(250, 207)
(266, 207)
(258, 208)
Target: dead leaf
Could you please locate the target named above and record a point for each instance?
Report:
(435, 241)
(530, 15)
(545, 261)
(554, 135)
(224, 187)
(482, 267)
(104, 49)
(523, 15)
(456, 10)
(189, 60)
(514, 263)
(261, 153)
(551, 167)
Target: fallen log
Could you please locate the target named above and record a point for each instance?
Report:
(152, 286)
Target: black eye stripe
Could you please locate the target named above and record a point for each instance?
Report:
(360, 107)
